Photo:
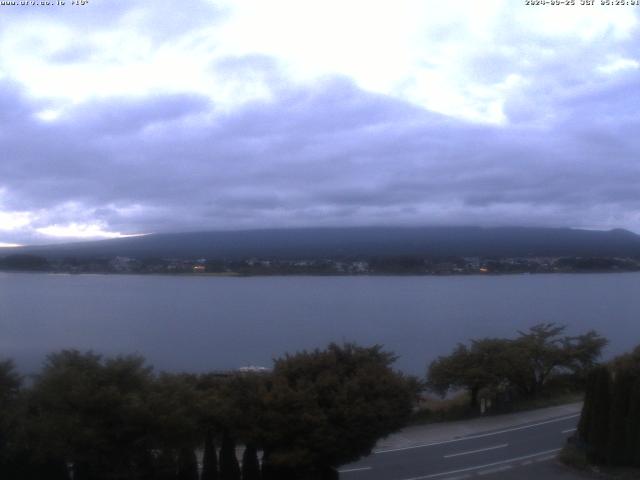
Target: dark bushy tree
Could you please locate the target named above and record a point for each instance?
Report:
(92, 412)
(526, 362)
(328, 407)
(481, 365)
(10, 383)
(621, 396)
(609, 427)
(541, 352)
(632, 434)
(584, 424)
(598, 435)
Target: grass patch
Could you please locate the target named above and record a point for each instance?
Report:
(575, 458)
(433, 409)
(550, 400)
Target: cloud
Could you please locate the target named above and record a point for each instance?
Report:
(326, 154)
(172, 119)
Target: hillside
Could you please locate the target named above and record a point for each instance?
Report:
(357, 242)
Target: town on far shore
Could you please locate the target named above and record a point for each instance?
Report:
(383, 265)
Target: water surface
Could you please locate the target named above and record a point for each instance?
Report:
(202, 323)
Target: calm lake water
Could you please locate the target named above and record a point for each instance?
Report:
(203, 323)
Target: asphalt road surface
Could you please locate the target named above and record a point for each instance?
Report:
(518, 452)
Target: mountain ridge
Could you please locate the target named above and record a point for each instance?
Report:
(337, 242)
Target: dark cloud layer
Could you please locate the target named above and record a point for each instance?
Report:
(325, 154)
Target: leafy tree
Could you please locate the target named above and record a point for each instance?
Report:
(10, 382)
(173, 403)
(583, 351)
(536, 354)
(526, 362)
(476, 367)
(327, 407)
(541, 351)
(10, 417)
(92, 412)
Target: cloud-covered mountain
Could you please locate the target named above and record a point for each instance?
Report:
(362, 242)
(249, 115)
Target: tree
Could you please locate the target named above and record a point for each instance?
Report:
(327, 407)
(167, 465)
(593, 427)
(187, 464)
(583, 351)
(24, 262)
(209, 458)
(250, 464)
(632, 434)
(600, 421)
(526, 362)
(229, 468)
(584, 424)
(93, 412)
(609, 427)
(476, 367)
(536, 354)
(10, 383)
(617, 453)
(173, 403)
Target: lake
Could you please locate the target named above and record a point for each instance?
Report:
(208, 323)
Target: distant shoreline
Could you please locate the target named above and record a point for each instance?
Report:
(351, 275)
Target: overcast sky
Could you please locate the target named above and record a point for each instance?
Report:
(121, 117)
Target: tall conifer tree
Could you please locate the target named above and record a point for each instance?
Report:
(229, 467)
(250, 464)
(598, 438)
(622, 385)
(187, 464)
(209, 459)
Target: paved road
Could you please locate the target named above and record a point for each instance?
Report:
(517, 451)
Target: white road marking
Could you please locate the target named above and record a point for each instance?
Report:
(569, 430)
(473, 437)
(459, 477)
(545, 459)
(495, 470)
(469, 452)
(354, 469)
(480, 467)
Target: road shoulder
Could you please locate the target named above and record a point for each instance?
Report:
(418, 435)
